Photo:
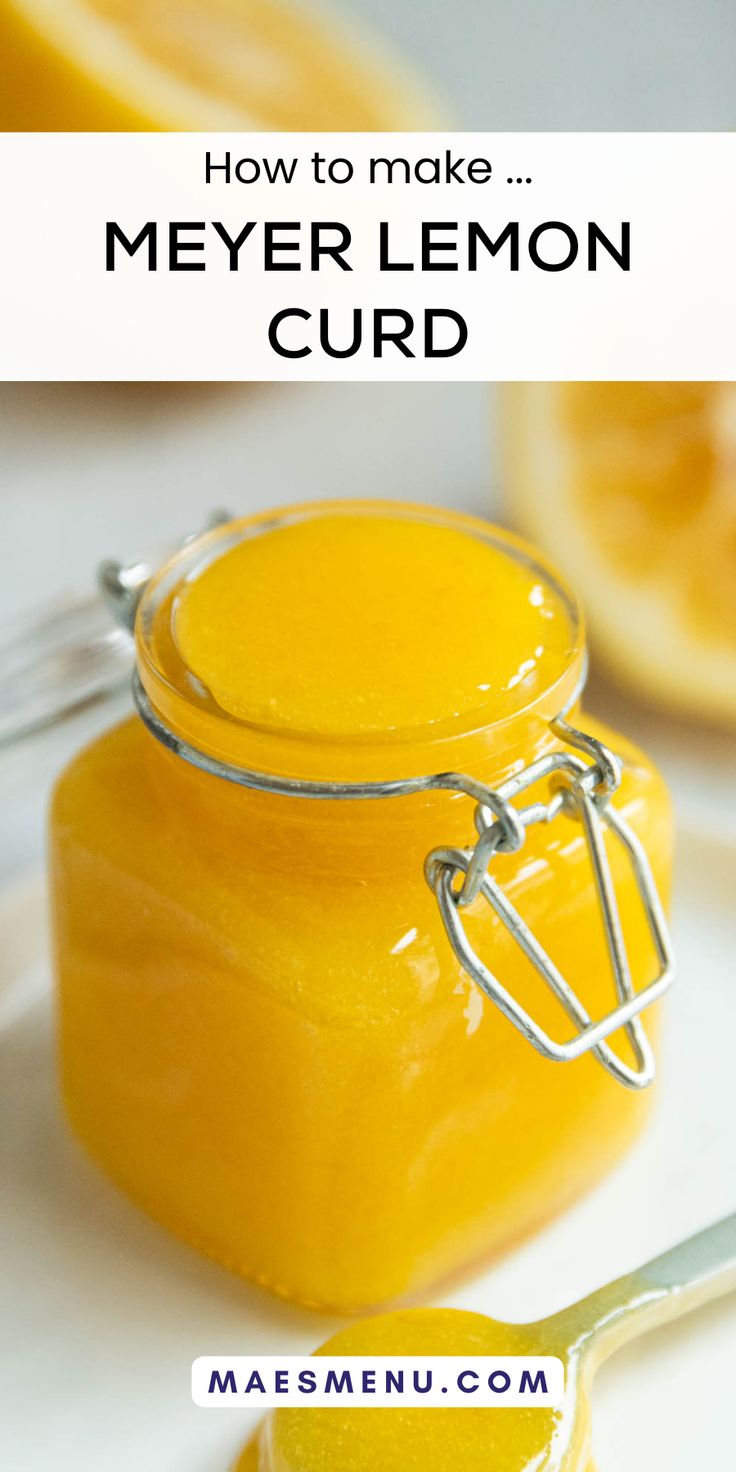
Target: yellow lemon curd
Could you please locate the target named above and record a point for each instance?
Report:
(265, 1036)
(355, 625)
(469, 1439)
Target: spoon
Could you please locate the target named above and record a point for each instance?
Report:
(533, 1439)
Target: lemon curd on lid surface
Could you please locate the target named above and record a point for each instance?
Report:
(266, 1038)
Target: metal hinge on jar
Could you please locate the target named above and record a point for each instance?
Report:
(581, 790)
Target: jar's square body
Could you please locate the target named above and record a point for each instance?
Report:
(268, 1042)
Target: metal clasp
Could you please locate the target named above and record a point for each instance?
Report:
(122, 584)
(583, 791)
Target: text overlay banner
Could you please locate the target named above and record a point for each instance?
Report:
(368, 256)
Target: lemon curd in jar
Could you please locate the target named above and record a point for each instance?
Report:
(266, 1038)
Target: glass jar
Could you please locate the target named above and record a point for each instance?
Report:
(285, 1034)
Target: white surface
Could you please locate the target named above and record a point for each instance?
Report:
(108, 1312)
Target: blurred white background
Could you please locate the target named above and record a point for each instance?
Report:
(571, 64)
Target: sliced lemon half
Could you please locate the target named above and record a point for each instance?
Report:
(194, 65)
(632, 488)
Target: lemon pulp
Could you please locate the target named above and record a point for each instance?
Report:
(630, 487)
(199, 64)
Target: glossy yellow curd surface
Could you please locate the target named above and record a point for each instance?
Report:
(468, 1439)
(357, 625)
(265, 1036)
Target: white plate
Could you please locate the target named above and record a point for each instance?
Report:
(106, 1312)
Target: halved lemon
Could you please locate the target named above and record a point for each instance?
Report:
(194, 65)
(632, 488)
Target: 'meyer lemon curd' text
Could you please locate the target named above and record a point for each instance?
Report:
(327, 245)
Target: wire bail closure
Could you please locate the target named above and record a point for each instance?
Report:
(580, 789)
